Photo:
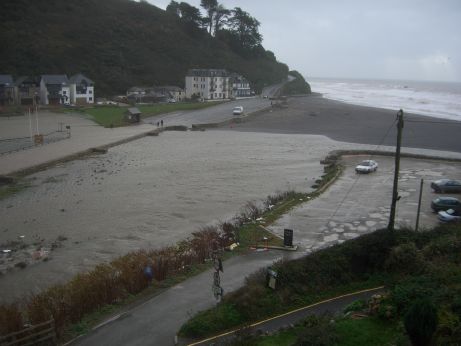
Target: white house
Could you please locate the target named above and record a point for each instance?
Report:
(208, 84)
(81, 90)
(55, 89)
(240, 86)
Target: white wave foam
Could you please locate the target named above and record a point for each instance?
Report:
(442, 100)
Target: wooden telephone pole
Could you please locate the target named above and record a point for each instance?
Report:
(395, 193)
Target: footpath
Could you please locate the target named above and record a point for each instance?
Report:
(273, 324)
(84, 135)
(157, 321)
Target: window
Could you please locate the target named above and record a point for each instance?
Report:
(64, 92)
(90, 92)
(90, 99)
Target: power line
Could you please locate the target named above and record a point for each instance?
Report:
(453, 122)
(358, 176)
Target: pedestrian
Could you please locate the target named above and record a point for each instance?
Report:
(148, 272)
(158, 124)
(161, 122)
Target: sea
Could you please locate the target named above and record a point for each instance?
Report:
(436, 99)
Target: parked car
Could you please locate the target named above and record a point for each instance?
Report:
(449, 215)
(446, 185)
(237, 110)
(366, 166)
(171, 100)
(445, 203)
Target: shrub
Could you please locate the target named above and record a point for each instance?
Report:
(10, 318)
(405, 259)
(317, 331)
(421, 322)
(410, 290)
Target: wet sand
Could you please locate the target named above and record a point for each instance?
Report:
(354, 124)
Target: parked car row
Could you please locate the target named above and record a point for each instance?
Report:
(448, 209)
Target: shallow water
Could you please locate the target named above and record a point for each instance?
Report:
(146, 194)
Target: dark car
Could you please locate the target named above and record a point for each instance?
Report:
(446, 185)
(445, 203)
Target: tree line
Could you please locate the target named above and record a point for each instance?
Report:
(234, 26)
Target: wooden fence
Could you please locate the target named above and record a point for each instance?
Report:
(40, 334)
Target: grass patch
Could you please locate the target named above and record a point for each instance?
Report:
(367, 331)
(12, 189)
(113, 116)
(349, 332)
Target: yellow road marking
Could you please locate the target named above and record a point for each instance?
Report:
(287, 313)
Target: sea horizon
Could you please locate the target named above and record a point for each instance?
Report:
(428, 98)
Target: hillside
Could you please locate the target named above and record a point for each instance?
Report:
(118, 44)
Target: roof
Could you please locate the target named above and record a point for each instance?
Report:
(134, 110)
(210, 72)
(170, 88)
(80, 79)
(27, 80)
(55, 79)
(6, 80)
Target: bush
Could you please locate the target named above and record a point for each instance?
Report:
(405, 259)
(421, 322)
(317, 332)
(408, 291)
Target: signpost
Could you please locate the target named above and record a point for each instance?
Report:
(288, 237)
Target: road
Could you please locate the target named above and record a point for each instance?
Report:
(157, 321)
(217, 114)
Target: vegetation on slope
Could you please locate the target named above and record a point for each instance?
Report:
(121, 43)
(297, 86)
(413, 266)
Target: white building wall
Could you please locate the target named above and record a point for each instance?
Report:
(43, 93)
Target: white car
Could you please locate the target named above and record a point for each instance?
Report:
(450, 215)
(237, 110)
(366, 166)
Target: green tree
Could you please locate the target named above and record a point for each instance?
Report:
(246, 28)
(421, 322)
(221, 17)
(173, 8)
(190, 15)
(210, 7)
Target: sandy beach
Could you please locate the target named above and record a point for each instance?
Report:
(354, 124)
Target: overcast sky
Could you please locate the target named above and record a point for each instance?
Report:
(389, 39)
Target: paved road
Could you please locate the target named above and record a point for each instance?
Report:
(157, 321)
(329, 306)
(217, 114)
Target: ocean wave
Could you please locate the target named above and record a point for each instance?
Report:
(441, 100)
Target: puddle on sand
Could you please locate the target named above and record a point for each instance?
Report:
(147, 194)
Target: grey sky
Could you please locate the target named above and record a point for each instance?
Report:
(393, 39)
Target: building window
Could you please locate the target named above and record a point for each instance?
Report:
(90, 99)
(90, 91)
(64, 92)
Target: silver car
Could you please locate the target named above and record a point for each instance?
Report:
(449, 215)
(446, 185)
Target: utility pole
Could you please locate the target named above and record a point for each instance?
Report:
(395, 193)
(419, 205)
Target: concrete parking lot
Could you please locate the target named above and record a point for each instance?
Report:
(360, 203)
